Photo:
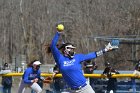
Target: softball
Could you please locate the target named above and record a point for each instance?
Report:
(60, 27)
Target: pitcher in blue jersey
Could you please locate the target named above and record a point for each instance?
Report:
(69, 64)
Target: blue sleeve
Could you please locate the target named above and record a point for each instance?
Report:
(89, 56)
(25, 76)
(55, 51)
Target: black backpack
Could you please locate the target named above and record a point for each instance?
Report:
(7, 81)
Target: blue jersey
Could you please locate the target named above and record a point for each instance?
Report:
(30, 74)
(71, 69)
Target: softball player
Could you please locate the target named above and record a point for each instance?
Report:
(30, 78)
(69, 63)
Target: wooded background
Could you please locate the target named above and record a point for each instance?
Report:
(26, 26)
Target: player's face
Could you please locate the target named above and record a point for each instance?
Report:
(36, 67)
(70, 51)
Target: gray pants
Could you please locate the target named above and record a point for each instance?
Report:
(33, 86)
(86, 89)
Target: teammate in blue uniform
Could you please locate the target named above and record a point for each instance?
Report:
(69, 63)
(30, 78)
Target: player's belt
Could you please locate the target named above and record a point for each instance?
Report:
(79, 87)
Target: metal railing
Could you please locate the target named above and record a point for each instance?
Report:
(132, 83)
